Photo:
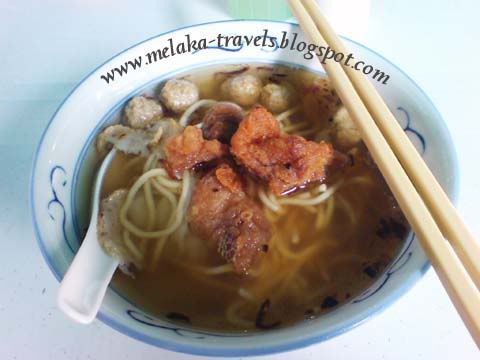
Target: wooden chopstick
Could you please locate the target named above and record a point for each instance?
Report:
(446, 216)
(460, 287)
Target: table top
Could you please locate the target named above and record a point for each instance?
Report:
(47, 47)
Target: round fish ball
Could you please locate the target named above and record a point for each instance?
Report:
(277, 97)
(242, 89)
(346, 133)
(178, 95)
(142, 112)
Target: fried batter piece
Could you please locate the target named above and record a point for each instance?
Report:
(221, 213)
(189, 149)
(286, 162)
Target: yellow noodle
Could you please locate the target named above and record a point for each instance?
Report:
(213, 270)
(329, 210)
(305, 195)
(311, 209)
(173, 215)
(348, 209)
(207, 279)
(267, 201)
(166, 193)
(320, 218)
(290, 254)
(149, 201)
(324, 216)
(217, 270)
(325, 274)
(131, 246)
(272, 197)
(286, 114)
(270, 285)
(232, 316)
(171, 184)
(147, 189)
(295, 237)
(290, 222)
(359, 180)
(185, 119)
(150, 161)
(295, 127)
(320, 188)
(287, 282)
(285, 279)
(293, 200)
(179, 211)
(258, 271)
(323, 135)
(271, 215)
(246, 294)
(180, 236)
(142, 243)
(294, 283)
(157, 252)
(306, 132)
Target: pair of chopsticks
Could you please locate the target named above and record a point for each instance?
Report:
(451, 248)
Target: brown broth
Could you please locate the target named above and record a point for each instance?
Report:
(350, 253)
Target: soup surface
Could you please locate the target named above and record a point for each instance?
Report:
(329, 239)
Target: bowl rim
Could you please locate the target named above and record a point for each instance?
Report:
(259, 350)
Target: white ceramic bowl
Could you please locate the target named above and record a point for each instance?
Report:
(64, 166)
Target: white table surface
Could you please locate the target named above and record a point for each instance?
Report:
(47, 47)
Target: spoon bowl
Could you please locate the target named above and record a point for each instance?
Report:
(85, 283)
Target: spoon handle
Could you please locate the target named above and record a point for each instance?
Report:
(85, 283)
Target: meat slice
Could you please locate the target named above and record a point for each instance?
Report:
(125, 139)
(109, 228)
(221, 121)
(221, 213)
(286, 162)
(188, 149)
(141, 142)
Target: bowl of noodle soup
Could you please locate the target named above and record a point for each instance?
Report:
(329, 252)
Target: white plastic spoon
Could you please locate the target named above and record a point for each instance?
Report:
(85, 283)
